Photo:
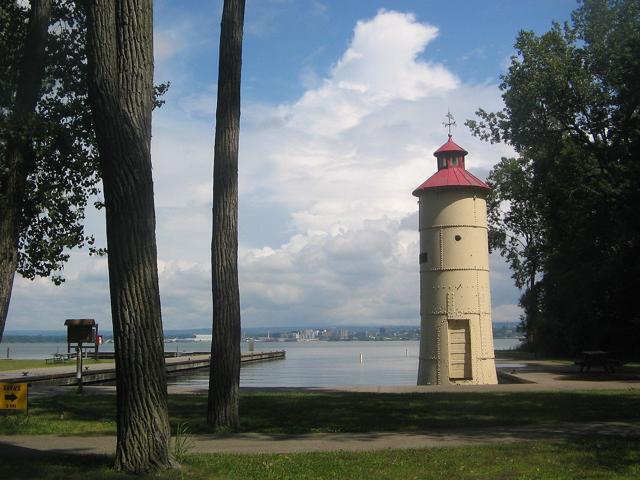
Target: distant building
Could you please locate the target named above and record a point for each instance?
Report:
(327, 333)
(308, 334)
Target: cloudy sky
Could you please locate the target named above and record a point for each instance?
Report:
(342, 108)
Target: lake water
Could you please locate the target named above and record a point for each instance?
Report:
(308, 364)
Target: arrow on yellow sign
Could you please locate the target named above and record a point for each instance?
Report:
(14, 396)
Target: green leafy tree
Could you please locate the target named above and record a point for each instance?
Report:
(572, 99)
(516, 230)
(48, 170)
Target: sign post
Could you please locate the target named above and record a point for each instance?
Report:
(79, 367)
(79, 331)
(98, 339)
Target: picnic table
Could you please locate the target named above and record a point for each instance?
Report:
(58, 358)
(592, 358)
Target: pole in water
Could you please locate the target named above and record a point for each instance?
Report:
(361, 358)
(8, 356)
(406, 352)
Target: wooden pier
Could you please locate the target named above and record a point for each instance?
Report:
(97, 373)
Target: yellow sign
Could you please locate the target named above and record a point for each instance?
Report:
(13, 396)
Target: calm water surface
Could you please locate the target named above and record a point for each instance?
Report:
(308, 364)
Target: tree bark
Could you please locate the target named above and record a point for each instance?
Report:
(18, 150)
(120, 54)
(224, 377)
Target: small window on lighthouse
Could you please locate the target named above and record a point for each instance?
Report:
(458, 238)
(454, 161)
(423, 257)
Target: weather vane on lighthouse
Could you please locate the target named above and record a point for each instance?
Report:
(450, 123)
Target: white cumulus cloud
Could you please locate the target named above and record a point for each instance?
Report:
(327, 177)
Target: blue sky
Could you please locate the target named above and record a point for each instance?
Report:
(342, 108)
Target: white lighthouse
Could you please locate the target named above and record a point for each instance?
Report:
(456, 345)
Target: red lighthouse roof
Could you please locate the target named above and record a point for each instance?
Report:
(451, 170)
(450, 146)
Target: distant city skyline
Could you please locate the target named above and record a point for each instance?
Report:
(246, 331)
(343, 105)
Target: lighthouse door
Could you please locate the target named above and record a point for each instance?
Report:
(459, 350)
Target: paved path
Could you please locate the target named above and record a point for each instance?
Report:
(317, 442)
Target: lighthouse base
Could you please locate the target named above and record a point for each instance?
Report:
(457, 352)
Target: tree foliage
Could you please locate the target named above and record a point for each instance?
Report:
(516, 230)
(515, 227)
(44, 194)
(572, 113)
(62, 176)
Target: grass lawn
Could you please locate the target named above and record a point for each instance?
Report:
(303, 412)
(6, 365)
(585, 458)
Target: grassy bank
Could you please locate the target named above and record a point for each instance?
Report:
(23, 365)
(303, 412)
(585, 458)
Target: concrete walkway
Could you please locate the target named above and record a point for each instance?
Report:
(322, 442)
(70, 368)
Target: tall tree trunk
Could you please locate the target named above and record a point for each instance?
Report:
(121, 92)
(224, 377)
(18, 152)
